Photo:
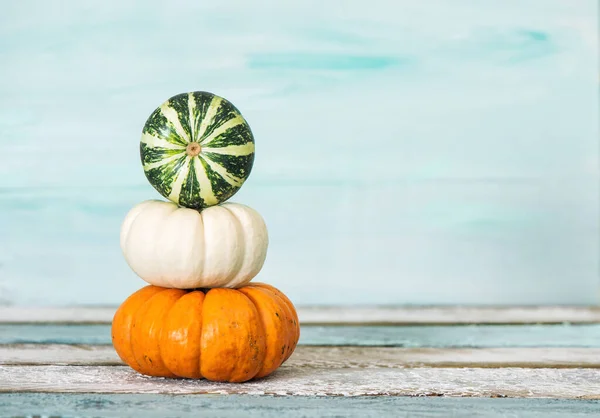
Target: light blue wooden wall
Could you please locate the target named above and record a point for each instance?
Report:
(407, 152)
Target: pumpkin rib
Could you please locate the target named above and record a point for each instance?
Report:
(160, 241)
(123, 321)
(147, 327)
(239, 230)
(274, 317)
(223, 259)
(144, 240)
(130, 219)
(204, 247)
(233, 341)
(180, 336)
(282, 296)
(253, 230)
(289, 321)
(199, 340)
(292, 333)
(293, 321)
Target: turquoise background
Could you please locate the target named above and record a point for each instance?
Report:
(407, 152)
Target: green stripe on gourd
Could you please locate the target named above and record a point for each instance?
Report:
(197, 149)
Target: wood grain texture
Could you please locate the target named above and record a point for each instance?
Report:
(309, 381)
(229, 406)
(310, 357)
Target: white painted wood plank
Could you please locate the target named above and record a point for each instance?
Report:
(23, 314)
(336, 357)
(449, 315)
(346, 315)
(307, 381)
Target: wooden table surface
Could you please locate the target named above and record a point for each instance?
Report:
(524, 353)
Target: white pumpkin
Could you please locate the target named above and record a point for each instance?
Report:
(170, 246)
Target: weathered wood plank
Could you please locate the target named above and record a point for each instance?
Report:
(316, 381)
(57, 315)
(347, 315)
(544, 335)
(225, 406)
(443, 315)
(312, 357)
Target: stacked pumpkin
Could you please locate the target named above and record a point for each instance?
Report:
(200, 317)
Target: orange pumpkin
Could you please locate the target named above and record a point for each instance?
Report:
(231, 335)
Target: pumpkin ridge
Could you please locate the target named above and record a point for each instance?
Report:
(277, 331)
(289, 317)
(262, 331)
(164, 209)
(128, 222)
(179, 348)
(133, 321)
(145, 346)
(204, 249)
(160, 337)
(200, 241)
(242, 252)
(282, 295)
(123, 321)
(162, 268)
(131, 328)
(199, 362)
(294, 322)
(233, 342)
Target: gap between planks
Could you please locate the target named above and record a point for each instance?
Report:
(401, 315)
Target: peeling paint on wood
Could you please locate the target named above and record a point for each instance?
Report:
(224, 406)
(314, 381)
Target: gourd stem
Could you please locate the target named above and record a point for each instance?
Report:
(193, 149)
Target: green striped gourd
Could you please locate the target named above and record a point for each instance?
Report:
(197, 149)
